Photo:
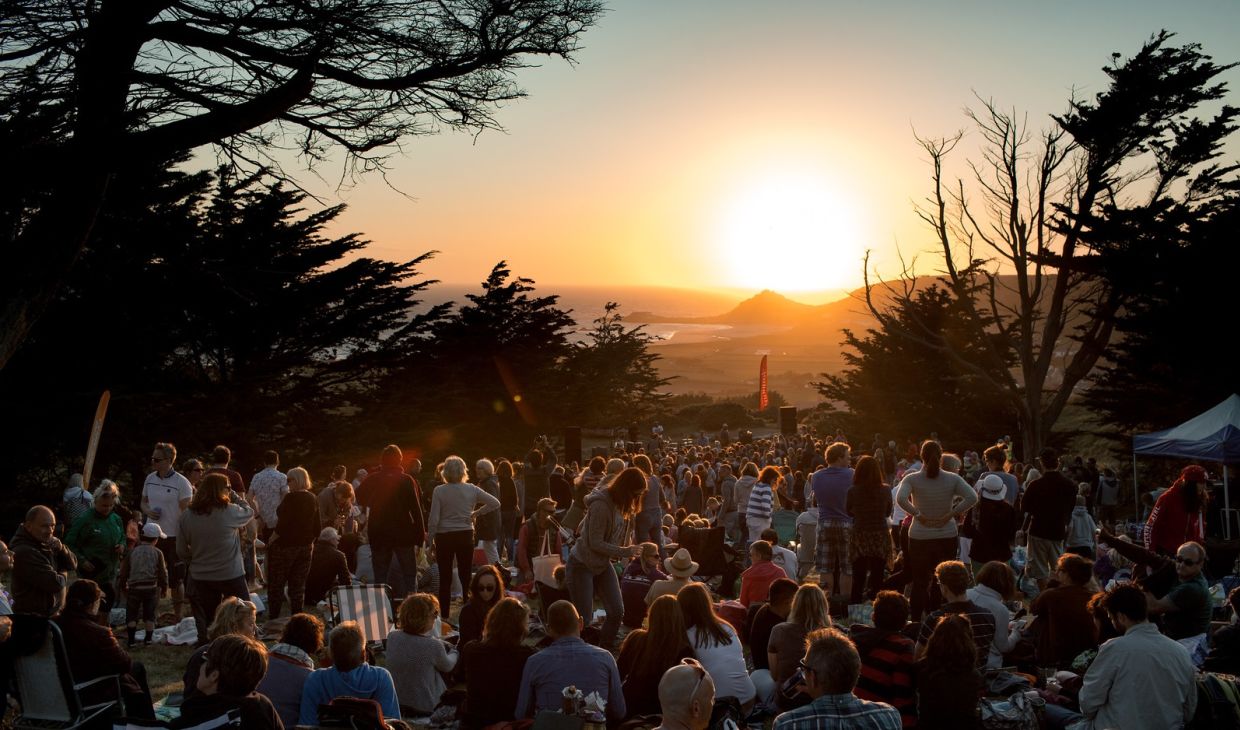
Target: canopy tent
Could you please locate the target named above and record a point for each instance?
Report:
(1211, 436)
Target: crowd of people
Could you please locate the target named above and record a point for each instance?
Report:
(681, 584)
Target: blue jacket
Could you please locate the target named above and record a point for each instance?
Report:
(366, 682)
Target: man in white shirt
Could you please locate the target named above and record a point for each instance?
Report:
(165, 495)
(781, 556)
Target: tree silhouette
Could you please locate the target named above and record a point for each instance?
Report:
(611, 375)
(90, 89)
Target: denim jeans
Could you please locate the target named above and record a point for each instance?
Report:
(582, 585)
(406, 555)
(649, 527)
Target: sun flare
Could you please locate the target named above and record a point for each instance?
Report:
(790, 232)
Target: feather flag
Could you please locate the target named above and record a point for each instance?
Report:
(763, 400)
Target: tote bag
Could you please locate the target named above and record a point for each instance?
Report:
(546, 562)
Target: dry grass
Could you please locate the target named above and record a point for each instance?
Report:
(165, 666)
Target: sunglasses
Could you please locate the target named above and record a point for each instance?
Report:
(701, 670)
(157, 459)
(486, 589)
(805, 668)
(1186, 561)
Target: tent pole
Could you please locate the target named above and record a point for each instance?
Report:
(1227, 505)
(1136, 491)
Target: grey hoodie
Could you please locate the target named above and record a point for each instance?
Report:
(740, 493)
(604, 533)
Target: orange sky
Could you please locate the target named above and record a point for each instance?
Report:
(688, 146)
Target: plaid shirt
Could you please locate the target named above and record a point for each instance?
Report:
(840, 712)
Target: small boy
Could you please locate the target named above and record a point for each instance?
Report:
(144, 576)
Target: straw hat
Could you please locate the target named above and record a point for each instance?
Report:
(681, 564)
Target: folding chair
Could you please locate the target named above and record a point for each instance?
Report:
(49, 696)
(369, 605)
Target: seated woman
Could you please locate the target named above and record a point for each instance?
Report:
(641, 573)
(349, 676)
(647, 653)
(289, 663)
(416, 655)
(485, 590)
(786, 647)
(226, 683)
(1065, 627)
(887, 657)
(948, 681)
(715, 644)
(94, 652)
(493, 665)
(996, 584)
(232, 616)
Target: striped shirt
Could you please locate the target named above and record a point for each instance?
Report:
(980, 619)
(840, 712)
(887, 670)
(760, 502)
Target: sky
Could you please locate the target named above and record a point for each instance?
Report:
(730, 145)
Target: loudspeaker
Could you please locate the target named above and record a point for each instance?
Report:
(788, 420)
(572, 445)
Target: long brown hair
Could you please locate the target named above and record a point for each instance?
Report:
(665, 640)
(475, 597)
(213, 492)
(506, 624)
(869, 473)
(698, 612)
(627, 490)
(951, 647)
(931, 458)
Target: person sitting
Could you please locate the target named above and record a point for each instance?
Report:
(647, 653)
(329, 566)
(1140, 679)
(568, 661)
(786, 646)
(1186, 609)
(775, 611)
(716, 645)
(40, 565)
(887, 657)
(686, 696)
(532, 536)
(831, 668)
(780, 555)
(757, 579)
(996, 584)
(953, 580)
(493, 665)
(681, 568)
(641, 573)
(1065, 626)
(417, 655)
(349, 676)
(1224, 653)
(232, 616)
(226, 684)
(289, 663)
(94, 652)
(948, 680)
(486, 589)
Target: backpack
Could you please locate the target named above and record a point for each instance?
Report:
(1017, 712)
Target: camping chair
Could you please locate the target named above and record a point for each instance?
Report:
(785, 523)
(713, 556)
(49, 696)
(370, 605)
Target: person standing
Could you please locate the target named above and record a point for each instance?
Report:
(650, 520)
(929, 496)
(869, 505)
(397, 526)
(288, 552)
(996, 459)
(536, 474)
(604, 537)
(1047, 506)
(165, 495)
(455, 505)
(487, 525)
(41, 563)
(509, 509)
(209, 542)
(267, 488)
(830, 487)
(1178, 514)
(97, 539)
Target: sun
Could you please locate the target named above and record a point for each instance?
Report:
(789, 232)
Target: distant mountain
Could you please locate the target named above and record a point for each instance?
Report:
(765, 307)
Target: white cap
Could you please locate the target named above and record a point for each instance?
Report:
(152, 529)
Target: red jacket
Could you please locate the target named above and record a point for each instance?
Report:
(1170, 525)
(756, 581)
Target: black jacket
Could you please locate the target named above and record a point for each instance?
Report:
(39, 573)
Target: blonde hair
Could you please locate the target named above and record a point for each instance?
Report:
(234, 616)
(454, 470)
(417, 613)
(106, 487)
(810, 609)
(300, 476)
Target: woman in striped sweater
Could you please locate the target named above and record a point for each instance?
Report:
(762, 500)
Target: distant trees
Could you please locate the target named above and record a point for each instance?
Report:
(611, 376)
(1075, 216)
(88, 90)
(895, 384)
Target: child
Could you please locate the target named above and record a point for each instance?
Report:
(1081, 531)
(144, 576)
